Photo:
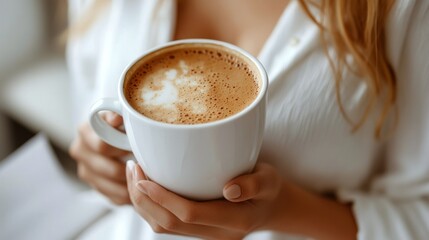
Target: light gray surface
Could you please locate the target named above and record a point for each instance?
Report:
(38, 97)
(39, 201)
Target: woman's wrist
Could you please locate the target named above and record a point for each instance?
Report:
(304, 213)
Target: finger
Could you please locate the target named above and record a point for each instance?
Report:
(201, 213)
(94, 142)
(143, 204)
(116, 192)
(115, 120)
(139, 200)
(100, 165)
(263, 183)
(162, 220)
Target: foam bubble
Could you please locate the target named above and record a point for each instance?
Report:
(198, 108)
(184, 67)
(171, 74)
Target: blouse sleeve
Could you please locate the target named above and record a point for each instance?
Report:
(397, 204)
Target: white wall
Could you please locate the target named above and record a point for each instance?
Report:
(23, 33)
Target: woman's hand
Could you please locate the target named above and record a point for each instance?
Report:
(99, 164)
(252, 203)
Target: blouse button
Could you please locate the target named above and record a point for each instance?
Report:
(294, 41)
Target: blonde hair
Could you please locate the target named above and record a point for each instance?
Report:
(85, 21)
(359, 28)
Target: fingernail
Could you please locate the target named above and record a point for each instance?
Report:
(110, 117)
(232, 192)
(131, 166)
(135, 174)
(140, 186)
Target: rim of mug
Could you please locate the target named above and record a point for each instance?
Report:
(261, 71)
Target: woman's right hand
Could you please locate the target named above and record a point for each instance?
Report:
(99, 164)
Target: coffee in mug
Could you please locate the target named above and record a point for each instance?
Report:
(192, 84)
(194, 115)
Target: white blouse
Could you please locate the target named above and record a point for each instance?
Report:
(307, 138)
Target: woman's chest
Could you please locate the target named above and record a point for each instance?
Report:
(307, 136)
(246, 24)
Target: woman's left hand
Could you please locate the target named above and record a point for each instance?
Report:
(250, 204)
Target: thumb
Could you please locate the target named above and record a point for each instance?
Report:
(263, 183)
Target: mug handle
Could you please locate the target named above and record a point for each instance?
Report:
(106, 132)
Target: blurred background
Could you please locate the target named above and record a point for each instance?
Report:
(34, 85)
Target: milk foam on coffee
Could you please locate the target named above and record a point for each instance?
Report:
(192, 85)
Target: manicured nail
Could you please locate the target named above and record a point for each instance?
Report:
(132, 169)
(232, 192)
(110, 117)
(141, 187)
(131, 166)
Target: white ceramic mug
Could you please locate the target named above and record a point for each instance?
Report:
(195, 161)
